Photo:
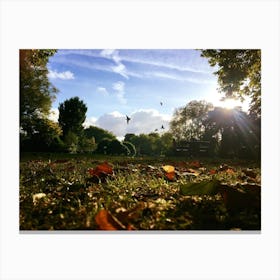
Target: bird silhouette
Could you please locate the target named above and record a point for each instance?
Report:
(162, 127)
(161, 103)
(127, 119)
(156, 129)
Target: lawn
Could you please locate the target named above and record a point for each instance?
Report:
(88, 192)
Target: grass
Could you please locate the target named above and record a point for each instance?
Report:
(57, 192)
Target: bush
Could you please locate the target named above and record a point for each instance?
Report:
(131, 148)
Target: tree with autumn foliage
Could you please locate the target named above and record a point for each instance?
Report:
(239, 74)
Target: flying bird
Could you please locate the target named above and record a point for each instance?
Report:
(127, 119)
(161, 103)
(162, 127)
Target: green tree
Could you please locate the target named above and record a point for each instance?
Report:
(44, 135)
(72, 114)
(239, 74)
(188, 121)
(98, 133)
(131, 148)
(166, 143)
(36, 91)
(71, 141)
(87, 144)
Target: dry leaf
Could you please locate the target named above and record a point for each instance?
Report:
(106, 221)
(168, 168)
(196, 164)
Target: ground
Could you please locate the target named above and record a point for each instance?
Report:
(89, 192)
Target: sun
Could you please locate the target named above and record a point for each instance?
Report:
(230, 103)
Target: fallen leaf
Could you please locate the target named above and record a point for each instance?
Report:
(236, 199)
(169, 172)
(106, 221)
(36, 197)
(212, 171)
(168, 168)
(101, 170)
(196, 164)
(201, 188)
(170, 176)
(230, 171)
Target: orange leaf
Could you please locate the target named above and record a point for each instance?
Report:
(195, 164)
(106, 221)
(105, 168)
(230, 171)
(101, 169)
(212, 171)
(170, 176)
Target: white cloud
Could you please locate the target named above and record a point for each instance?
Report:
(67, 75)
(142, 121)
(90, 121)
(102, 90)
(119, 88)
(119, 68)
(107, 52)
(54, 114)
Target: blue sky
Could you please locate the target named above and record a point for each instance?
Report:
(115, 83)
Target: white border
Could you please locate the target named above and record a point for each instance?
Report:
(139, 24)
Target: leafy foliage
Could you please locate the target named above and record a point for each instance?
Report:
(188, 121)
(239, 74)
(36, 95)
(98, 133)
(72, 114)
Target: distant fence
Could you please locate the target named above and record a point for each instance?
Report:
(192, 148)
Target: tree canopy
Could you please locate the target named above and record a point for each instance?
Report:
(239, 74)
(98, 133)
(187, 121)
(36, 91)
(72, 114)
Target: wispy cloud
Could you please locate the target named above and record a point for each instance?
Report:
(102, 90)
(180, 78)
(119, 68)
(119, 88)
(162, 64)
(67, 75)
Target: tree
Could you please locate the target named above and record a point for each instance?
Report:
(238, 132)
(72, 114)
(239, 74)
(36, 91)
(44, 135)
(87, 144)
(188, 122)
(71, 141)
(98, 133)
